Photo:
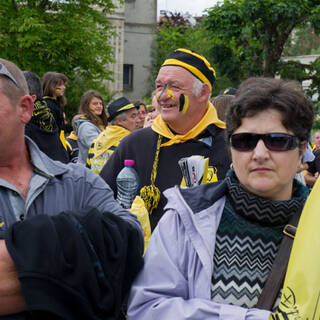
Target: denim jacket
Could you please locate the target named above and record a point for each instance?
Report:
(59, 187)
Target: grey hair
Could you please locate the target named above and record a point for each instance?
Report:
(121, 116)
(197, 86)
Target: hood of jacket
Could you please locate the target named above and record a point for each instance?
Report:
(80, 121)
(200, 209)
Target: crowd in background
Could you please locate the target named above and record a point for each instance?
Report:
(221, 183)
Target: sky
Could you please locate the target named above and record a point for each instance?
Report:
(195, 7)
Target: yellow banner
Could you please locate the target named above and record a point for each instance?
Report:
(300, 299)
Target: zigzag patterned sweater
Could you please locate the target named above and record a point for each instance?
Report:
(248, 238)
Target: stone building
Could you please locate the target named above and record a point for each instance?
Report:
(135, 23)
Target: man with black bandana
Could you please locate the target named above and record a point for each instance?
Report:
(187, 125)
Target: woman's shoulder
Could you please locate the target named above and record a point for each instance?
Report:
(197, 198)
(51, 102)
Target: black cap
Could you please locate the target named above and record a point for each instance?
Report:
(119, 105)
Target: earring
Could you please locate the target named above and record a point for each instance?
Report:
(231, 166)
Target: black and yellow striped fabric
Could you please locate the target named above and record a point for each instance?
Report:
(195, 63)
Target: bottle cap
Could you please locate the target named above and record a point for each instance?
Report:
(129, 162)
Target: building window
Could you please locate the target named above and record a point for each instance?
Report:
(128, 76)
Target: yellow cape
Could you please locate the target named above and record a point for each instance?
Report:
(109, 137)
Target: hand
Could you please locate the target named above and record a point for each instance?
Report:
(11, 298)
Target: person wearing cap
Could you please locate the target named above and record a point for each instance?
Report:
(123, 119)
(66, 245)
(187, 125)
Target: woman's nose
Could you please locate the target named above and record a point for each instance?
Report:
(260, 151)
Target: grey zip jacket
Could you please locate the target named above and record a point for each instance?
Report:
(87, 131)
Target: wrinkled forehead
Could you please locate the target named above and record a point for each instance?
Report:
(131, 111)
(171, 74)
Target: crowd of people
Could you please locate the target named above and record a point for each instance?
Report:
(68, 250)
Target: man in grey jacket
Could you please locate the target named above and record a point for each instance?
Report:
(33, 184)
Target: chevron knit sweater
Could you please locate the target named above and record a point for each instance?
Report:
(248, 238)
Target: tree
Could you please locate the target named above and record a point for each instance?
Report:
(250, 36)
(67, 36)
(302, 41)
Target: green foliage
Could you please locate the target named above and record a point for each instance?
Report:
(250, 37)
(67, 36)
(252, 33)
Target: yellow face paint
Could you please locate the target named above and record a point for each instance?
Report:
(184, 100)
(184, 103)
(170, 94)
(168, 91)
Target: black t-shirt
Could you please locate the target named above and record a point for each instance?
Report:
(314, 166)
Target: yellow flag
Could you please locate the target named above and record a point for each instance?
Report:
(300, 299)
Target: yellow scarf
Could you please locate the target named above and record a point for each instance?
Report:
(210, 117)
(109, 137)
(73, 136)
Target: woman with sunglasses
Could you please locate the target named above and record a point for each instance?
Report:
(213, 250)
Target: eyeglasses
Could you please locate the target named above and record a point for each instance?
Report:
(4, 71)
(273, 141)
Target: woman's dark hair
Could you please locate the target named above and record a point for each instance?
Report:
(138, 103)
(50, 81)
(259, 94)
(34, 84)
(85, 109)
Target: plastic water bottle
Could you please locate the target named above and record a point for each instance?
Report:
(127, 184)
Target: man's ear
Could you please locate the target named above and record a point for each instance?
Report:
(118, 122)
(205, 93)
(26, 108)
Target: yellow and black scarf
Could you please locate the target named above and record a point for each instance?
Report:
(210, 117)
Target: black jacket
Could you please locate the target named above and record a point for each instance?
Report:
(140, 146)
(43, 130)
(75, 265)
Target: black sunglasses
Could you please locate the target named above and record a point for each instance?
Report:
(4, 71)
(273, 141)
